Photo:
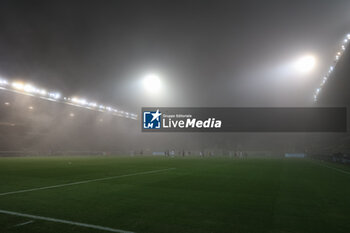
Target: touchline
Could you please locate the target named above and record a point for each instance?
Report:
(191, 123)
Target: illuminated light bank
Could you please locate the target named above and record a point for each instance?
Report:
(55, 96)
(337, 57)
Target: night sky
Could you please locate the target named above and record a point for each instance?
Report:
(207, 53)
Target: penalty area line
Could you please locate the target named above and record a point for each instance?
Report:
(23, 223)
(85, 181)
(97, 227)
(333, 168)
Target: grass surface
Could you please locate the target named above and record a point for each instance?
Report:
(200, 195)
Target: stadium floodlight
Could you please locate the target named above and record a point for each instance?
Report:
(29, 89)
(42, 92)
(17, 85)
(3, 82)
(79, 101)
(7, 103)
(92, 104)
(55, 95)
(152, 83)
(331, 68)
(305, 64)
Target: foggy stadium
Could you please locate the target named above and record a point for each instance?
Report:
(174, 116)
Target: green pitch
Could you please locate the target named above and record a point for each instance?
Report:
(199, 195)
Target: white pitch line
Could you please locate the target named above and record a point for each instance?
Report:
(84, 181)
(23, 223)
(97, 227)
(333, 168)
